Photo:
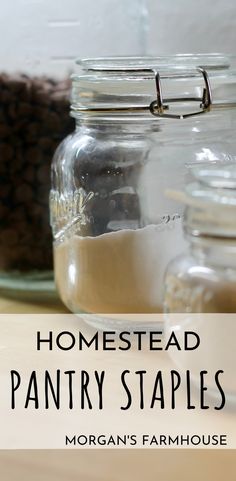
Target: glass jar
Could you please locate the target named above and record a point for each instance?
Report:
(33, 121)
(200, 285)
(114, 230)
(203, 279)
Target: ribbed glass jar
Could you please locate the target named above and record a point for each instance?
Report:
(203, 278)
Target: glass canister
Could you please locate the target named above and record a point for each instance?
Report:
(142, 124)
(200, 285)
(34, 118)
(203, 279)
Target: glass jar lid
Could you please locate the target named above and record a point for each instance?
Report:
(164, 64)
(174, 87)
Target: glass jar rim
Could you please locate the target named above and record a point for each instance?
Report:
(214, 185)
(182, 84)
(211, 202)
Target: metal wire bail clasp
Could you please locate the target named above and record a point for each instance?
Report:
(158, 107)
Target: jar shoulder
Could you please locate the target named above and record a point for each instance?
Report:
(187, 266)
(68, 146)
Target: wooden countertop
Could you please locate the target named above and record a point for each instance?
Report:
(13, 306)
(112, 465)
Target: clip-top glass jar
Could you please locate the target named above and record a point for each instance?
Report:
(203, 279)
(141, 125)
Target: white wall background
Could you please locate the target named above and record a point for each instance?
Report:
(44, 36)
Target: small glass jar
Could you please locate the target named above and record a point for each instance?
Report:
(203, 278)
(114, 230)
(200, 285)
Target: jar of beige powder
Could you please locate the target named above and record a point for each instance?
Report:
(142, 124)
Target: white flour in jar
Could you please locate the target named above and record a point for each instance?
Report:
(118, 272)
